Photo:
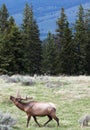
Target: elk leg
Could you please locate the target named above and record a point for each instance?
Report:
(28, 119)
(50, 118)
(35, 119)
(55, 118)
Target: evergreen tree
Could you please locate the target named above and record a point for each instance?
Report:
(80, 43)
(49, 56)
(17, 51)
(87, 49)
(11, 50)
(3, 29)
(65, 59)
(31, 37)
(3, 59)
(67, 53)
(61, 24)
(4, 15)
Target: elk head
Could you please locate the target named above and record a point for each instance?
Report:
(18, 98)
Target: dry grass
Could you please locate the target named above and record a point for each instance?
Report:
(70, 94)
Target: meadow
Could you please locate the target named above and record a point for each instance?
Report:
(70, 94)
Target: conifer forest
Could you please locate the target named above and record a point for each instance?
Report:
(66, 52)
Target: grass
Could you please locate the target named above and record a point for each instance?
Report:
(71, 96)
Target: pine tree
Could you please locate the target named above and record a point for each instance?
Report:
(17, 51)
(31, 37)
(3, 29)
(61, 24)
(79, 41)
(4, 15)
(11, 50)
(65, 59)
(49, 56)
(87, 49)
(67, 53)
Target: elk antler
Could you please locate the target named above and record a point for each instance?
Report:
(20, 98)
(27, 98)
(18, 94)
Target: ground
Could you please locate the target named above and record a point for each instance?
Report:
(71, 96)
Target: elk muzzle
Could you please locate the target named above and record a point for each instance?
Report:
(11, 97)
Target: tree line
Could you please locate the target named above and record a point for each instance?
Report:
(65, 52)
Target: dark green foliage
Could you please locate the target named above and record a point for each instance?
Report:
(11, 48)
(64, 34)
(66, 52)
(4, 61)
(50, 54)
(20, 50)
(16, 50)
(87, 50)
(88, 57)
(3, 18)
(32, 43)
(61, 24)
(80, 43)
(12, 52)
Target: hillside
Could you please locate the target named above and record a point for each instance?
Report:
(46, 12)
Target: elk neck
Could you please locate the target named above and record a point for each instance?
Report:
(21, 105)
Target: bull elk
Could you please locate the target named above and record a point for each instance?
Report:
(34, 109)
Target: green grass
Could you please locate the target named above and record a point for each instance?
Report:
(71, 96)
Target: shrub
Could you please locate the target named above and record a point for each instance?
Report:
(6, 121)
(5, 127)
(25, 80)
(14, 79)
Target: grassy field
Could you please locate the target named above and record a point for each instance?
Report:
(71, 96)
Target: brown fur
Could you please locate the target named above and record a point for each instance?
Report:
(34, 108)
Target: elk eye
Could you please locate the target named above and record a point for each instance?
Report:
(16, 99)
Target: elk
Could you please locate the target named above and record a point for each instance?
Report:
(35, 108)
